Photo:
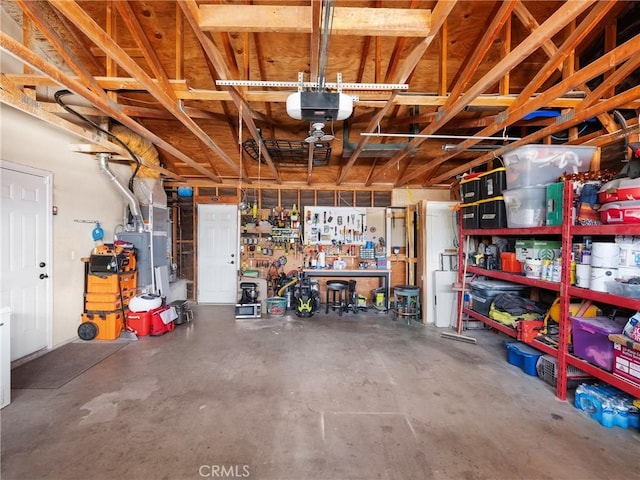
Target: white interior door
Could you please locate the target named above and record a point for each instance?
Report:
(218, 253)
(25, 244)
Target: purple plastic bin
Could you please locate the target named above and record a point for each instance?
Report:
(591, 339)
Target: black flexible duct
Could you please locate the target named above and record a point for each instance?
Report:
(63, 93)
(623, 123)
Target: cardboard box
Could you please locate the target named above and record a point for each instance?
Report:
(626, 358)
(542, 249)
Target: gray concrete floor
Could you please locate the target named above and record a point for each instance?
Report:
(357, 397)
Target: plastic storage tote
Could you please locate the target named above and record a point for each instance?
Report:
(470, 215)
(542, 164)
(492, 183)
(525, 207)
(492, 213)
(523, 356)
(620, 212)
(483, 292)
(591, 339)
(470, 189)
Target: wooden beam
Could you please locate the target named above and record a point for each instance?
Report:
(590, 22)
(11, 95)
(610, 37)
(440, 14)
(137, 32)
(191, 14)
(607, 105)
(100, 100)
(387, 22)
(505, 81)
(567, 48)
(314, 44)
(558, 20)
(366, 98)
(90, 28)
(477, 54)
(530, 23)
(623, 53)
(179, 58)
(443, 86)
(33, 11)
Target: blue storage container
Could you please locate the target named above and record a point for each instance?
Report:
(523, 356)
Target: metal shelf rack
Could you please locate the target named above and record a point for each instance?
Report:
(567, 231)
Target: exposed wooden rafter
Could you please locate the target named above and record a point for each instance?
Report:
(153, 67)
(553, 25)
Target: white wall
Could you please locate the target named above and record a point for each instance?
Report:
(80, 191)
(410, 196)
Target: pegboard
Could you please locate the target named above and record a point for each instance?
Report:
(339, 225)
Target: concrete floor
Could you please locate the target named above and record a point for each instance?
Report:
(357, 397)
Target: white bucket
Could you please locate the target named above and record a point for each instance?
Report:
(605, 254)
(625, 273)
(583, 275)
(599, 277)
(533, 268)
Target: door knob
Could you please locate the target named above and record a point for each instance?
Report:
(42, 264)
(43, 276)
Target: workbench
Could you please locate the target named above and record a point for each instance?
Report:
(383, 275)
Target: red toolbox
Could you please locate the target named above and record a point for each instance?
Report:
(162, 320)
(620, 212)
(620, 189)
(140, 322)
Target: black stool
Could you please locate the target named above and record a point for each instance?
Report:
(406, 302)
(338, 291)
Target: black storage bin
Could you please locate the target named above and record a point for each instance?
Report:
(492, 213)
(493, 182)
(470, 189)
(470, 216)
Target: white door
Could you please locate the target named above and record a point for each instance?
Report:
(218, 252)
(440, 234)
(25, 261)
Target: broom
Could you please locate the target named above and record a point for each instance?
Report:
(458, 335)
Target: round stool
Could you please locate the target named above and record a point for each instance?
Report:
(406, 302)
(337, 295)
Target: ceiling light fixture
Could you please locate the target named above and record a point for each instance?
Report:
(316, 134)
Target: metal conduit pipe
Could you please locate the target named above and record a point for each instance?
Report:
(138, 222)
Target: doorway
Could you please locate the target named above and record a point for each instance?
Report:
(25, 256)
(218, 253)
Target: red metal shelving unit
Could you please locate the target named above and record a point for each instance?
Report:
(567, 231)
